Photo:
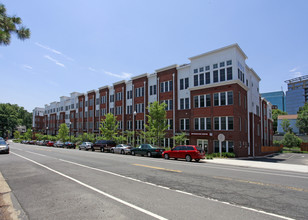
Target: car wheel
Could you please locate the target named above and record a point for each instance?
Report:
(102, 149)
(133, 153)
(93, 149)
(122, 152)
(79, 148)
(149, 154)
(166, 156)
(188, 158)
(112, 151)
(87, 149)
(197, 160)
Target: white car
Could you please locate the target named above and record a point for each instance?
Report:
(86, 145)
(121, 149)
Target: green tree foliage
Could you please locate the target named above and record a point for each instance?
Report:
(28, 134)
(63, 133)
(109, 127)
(285, 124)
(157, 123)
(12, 116)
(16, 134)
(275, 114)
(10, 25)
(86, 137)
(180, 139)
(39, 136)
(120, 139)
(290, 140)
(302, 119)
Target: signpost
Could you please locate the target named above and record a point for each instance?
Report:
(221, 138)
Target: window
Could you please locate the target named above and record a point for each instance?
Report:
(208, 78)
(170, 124)
(203, 124)
(104, 99)
(207, 68)
(201, 79)
(112, 110)
(195, 80)
(239, 98)
(195, 70)
(153, 90)
(118, 110)
(229, 73)
(221, 64)
(215, 66)
(230, 98)
(139, 92)
(230, 123)
(139, 108)
(216, 123)
(119, 96)
(111, 98)
(169, 104)
(162, 87)
(208, 124)
(181, 104)
(186, 103)
(129, 109)
(129, 94)
(181, 84)
(201, 69)
(222, 75)
(196, 123)
(166, 86)
(222, 98)
(196, 101)
(186, 83)
(201, 101)
(216, 99)
(223, 123)
(215, 74)
(129, 125)
(104, 111)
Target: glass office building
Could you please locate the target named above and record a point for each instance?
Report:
(277, 99)
(297, 94)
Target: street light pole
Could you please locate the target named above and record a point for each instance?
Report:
(135, 113)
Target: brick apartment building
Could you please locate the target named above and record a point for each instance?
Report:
(216, 93)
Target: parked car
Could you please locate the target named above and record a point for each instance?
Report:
(1, 138)
(58, 144)
(121, 149)
(38, 142)
(31, 142)
(4, 147)
(44, 143)
(187, 152)
(50, 143)
(86, 145)
(147, 149)
(69, 145)
(103, 145)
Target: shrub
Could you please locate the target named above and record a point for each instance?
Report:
(290, 140)
(277, 143)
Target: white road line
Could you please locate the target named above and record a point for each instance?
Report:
(97, 190)
(36, 153)
(155, 185)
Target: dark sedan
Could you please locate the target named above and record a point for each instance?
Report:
(147, 149)
(4, 147)
(69, 145)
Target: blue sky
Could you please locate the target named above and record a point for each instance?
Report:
(77, 46)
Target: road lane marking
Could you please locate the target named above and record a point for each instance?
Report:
(96, 190)
(157, 168)
(261, 184)
(179, 191)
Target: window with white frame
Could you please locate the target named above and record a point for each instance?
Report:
(118, 110)
(104, 111)
(120, 124)
(111, 98)
(170, 124)
(169, 104)
(129, 125)
(203, 124)
(112, 111)
(119, 96)
(129, 109)
(223, 123)
(166, 86)
(201, 101)
(223, 98)
(153, 90)
(226, 146)
(104, 99)
(184, 124)
(139, 108)
(184, 103)
(184, 83)
(139, 92)
(129, 94)
(139, 124)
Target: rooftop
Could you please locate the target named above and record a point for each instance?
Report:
(297, 79)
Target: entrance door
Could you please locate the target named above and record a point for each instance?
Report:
(203, 144)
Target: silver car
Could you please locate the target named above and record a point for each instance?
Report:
(4, 147)
(121, 149)
(86, 145)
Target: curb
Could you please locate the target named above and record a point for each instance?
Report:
(6, 206)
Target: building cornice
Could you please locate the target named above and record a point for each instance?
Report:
(104, 87)
(120, 82)
(212, 85)
(219, 50)
(183, 66)
(166, 68)
(140, 76)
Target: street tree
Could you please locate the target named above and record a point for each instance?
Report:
(285, 124)
(302, 119)
(63, 132)
(16, 134)
(275, 114)
(39, 136)
(180, 139)
(157, 122)
(11, 25)
(109, 127)
(86, 137)
(28, 134)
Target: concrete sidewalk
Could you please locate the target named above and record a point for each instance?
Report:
(259, 164)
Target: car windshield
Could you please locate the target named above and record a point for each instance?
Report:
(2, 142)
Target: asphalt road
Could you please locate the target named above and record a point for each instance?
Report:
(52, 183)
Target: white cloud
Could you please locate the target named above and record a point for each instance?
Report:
(27, 67)
(54, 60)
(92, 69)
(297, 74)
(123, 75)
(54, 51)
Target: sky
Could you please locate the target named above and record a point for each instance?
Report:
(79, 45)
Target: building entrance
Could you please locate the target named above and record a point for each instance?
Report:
(203, 143)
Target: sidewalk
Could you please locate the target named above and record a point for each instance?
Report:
(259, 164)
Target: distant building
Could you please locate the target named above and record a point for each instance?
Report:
(277, 99)
(21, 129)
(292, 119)
(38, 119)
(297, 94)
